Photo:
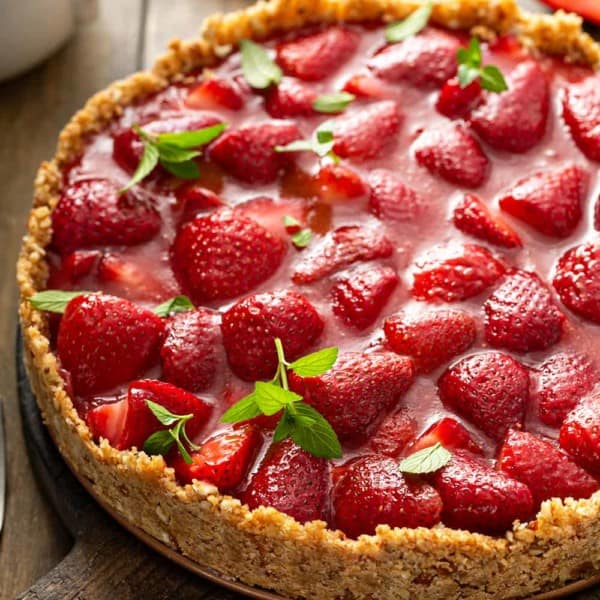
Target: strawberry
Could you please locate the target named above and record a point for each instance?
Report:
(478, 498)
(456, 102)
(543, 468)
(290, 99)
(394, 434)
(223, 460)
(72, 268)
(515, 120)
(91, 212)
(366, 86)
(577, 280)
(450, 434)
(521, 315)
(341, 248)
(365, 132)
(223, 255)
(104, 341)
(588, 9)
(581, 112)
(473, 217)
(251, 325)
(355, 394)
(316, 55)
(454, 154)
(292, 481)
(562, 380)
(372, 491)
(215, 92)
(190, 354)
(392, 200)
(128, 148)
(454, 273)
(248, 153)
(129, 422)
(580, 434)
(549, 201)
(360, 295)
(194, 200)
(489, 389)
(269, 213)
(425, 61)
(430, 339)
(337, 183)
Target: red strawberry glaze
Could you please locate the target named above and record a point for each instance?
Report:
(326, 208)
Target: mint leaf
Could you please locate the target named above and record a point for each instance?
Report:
(173, 154)
(321, 143)
(427, 460)
(492, 79)
(415, 22)
(296, 146)
(284, 427)
(302, 238)
(259, 69)
(243, 410)
(192, 139)
(313, 433)
(176, 435)
(54, 300)
(470, 68)
(165, 416)
(174, 305)
(183, 170)
(271, 398)
(290, 222)
(471, 55)
(333, 103)
(145, 167)
(159, 443)
(467, 75)
(315, 364)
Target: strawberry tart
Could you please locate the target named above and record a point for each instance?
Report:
(314, 302)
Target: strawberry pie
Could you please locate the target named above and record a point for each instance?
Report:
(315, 301)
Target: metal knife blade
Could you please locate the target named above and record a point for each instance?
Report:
(2, 468)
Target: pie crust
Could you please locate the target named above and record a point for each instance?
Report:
(265, 547)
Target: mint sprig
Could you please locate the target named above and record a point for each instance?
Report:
(427, 460)
(321, 143)
(415, 22)
(54, 300)
(300, 236)
(161, 442)
(174, 305)
(299, 421)
(470, 68)
(260, 71)
(174, 151)
(333, 103)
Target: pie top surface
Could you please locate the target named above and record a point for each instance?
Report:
(443, 239)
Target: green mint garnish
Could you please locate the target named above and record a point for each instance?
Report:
(427, 460)
(321, 143)
(299, 421)
(259, 69)
(174, 305)
(174, 151)
(470, 68)
(300, 236)
(54, 300)
(333, 103)
(415, 22)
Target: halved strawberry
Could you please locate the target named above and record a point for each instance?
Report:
(290, 99)
(456, 102)
(580, 434)
(430, 339)
(194, 200)
(450, 434)
(223, 460)
(269, 213)
(489, 389)
(392, 200)
(543, 468)
(372, 491)
(581, 112)
(72, 268)
(215, 92)
(394, 434)
(365, 85)
(292, 481)
(338, 183)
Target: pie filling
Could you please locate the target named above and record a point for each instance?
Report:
(443, 238)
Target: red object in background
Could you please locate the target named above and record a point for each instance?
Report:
(588, 9)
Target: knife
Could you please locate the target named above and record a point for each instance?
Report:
(2, 468)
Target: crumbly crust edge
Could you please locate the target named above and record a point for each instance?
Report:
(265, 547)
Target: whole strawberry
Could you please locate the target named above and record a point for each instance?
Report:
(580, 434)
(455, 101)
(394, 434)
(372, 491)
(104, 341)
(392, 200)
(290, 99)
(581, 112)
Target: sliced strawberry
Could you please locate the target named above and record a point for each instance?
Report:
(104, 341)
(292, 481)
(454, 273)
(215, 92)
(194, 200)
(581, 112)
(450, 434)
(338, 183)
(426, 60)
(223, 460)
(577, 280)
(515, 120)
(366, 86)
(251, 325)
(372, 491)
(543, 468)
(360, 295)
(290, 99)
(562, 380)
(92, 213)
(521, 315)
(456, 102)
(341, 248)
(549, 201)
(248, 153)
(315, 56)
(190, 354)
(392, 200)
(580, 434)
(454, 154)
(394, 434)
(355, 394)
(108, 421)
(223, 255)
(269, 213)
(365, 132)
(474, 218)
(430, 339)
(478, 498)
(73, 267)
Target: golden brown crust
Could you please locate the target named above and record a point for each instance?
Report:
(264, 547)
